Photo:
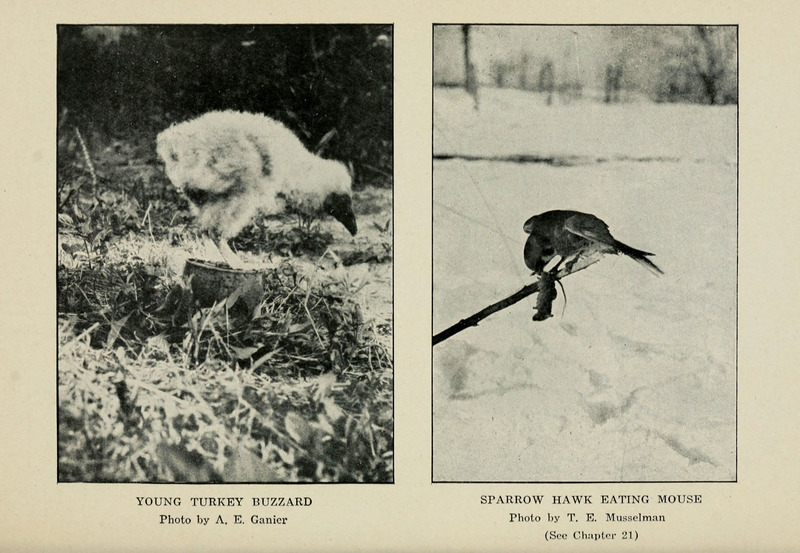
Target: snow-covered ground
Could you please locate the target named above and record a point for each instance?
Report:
(635, 378)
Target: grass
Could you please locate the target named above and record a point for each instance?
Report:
(154, 388)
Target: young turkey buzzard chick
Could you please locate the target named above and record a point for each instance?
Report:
(233, 165)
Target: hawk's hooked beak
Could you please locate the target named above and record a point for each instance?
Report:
(340, 207)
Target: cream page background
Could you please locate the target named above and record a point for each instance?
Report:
(756, 513)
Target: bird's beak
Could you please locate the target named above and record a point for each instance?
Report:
(349, 223)
(348, 219)
(340, 207)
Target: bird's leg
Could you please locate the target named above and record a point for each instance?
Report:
(571, 263)
(565, 264)
(227, 253)
(554, 264)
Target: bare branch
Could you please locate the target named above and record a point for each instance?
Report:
(532, 288)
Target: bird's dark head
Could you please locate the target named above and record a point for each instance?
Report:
(530, 224)
(339, 205)
(538, 253)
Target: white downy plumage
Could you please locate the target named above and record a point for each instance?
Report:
(232, 165)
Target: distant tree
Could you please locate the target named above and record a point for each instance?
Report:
(501, 72)
(675, 63)
(524, 64)
(613, 82)
(699, 65)
(547, 81)
(470, 80)
(570, 90)
(710, 59)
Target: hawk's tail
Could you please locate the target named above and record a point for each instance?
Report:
(639, 256)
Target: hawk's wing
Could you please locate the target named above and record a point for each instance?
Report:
(591, 228)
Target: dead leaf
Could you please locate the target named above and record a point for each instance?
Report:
(186, 466)
(298, 428)
(244, 353)
(245, 466)
(299, 327)
(264, 358)
(158, 343)
(116, 327)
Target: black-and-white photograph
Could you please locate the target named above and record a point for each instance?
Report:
(585, 201)
(225, 253)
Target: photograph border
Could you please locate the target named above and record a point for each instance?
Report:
(736, 285)
(393, 271)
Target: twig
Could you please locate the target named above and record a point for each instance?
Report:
(311, 319)
(78, 338)
(526, 291)
(485, 312)
(69, 196)
(376, 170)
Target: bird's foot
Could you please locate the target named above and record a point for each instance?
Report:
(229, 255)
(570, 264)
